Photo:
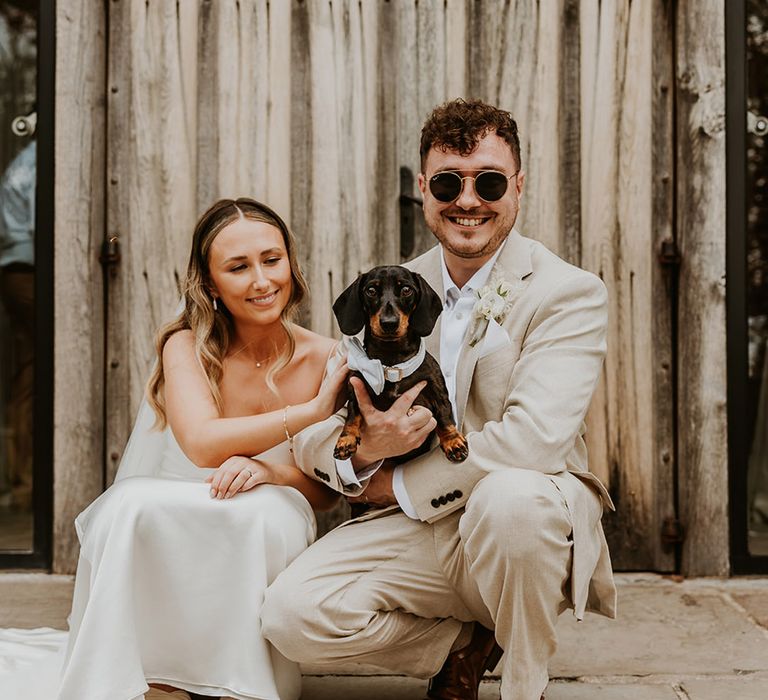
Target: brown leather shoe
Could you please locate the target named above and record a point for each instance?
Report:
(460, 676)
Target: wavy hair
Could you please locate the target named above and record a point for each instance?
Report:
(459, 125)
(213, 329)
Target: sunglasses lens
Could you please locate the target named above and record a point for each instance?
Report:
(491, 186)
(445, 187)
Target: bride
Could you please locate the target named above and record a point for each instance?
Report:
(176, 555)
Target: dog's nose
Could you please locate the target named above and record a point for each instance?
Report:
(389, 324)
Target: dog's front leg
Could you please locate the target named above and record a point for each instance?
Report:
(349, 439)
(452, 442)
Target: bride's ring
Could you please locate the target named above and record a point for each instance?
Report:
(250, 473)
(410, 411)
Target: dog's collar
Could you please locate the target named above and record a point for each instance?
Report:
(374, 372)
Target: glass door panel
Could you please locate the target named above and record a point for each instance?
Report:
(757, 275)
(18, 170)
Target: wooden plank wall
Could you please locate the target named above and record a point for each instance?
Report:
(623, 68)
(314, 107)
(151, 196)
(703, 459)
(78, 438)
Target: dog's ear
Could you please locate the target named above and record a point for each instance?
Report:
(424, 316)
(348, 309)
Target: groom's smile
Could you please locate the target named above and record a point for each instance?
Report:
(468, 222)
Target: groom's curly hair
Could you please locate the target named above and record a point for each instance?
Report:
(459, 125)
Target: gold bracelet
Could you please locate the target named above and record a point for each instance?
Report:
(288, 436)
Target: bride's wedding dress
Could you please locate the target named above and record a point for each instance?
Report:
(169, 587)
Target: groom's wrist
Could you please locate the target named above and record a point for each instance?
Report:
(363, 459)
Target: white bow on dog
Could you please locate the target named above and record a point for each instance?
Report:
(376, 374)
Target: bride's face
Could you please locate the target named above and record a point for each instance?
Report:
(250, 271)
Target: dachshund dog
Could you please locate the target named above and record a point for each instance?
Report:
(397, 308)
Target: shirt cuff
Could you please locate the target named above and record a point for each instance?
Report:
(347, 474)
(398, 486)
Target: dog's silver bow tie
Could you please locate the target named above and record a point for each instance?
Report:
(376, 374)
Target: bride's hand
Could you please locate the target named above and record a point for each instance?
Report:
(240, 474)
(326, 403)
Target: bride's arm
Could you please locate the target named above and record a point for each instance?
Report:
(243, 473)
(208, 439)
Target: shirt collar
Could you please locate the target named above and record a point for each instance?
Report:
(479, 279)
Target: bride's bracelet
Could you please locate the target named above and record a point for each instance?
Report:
(288, 436)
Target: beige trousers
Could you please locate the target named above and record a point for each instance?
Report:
(395, 592)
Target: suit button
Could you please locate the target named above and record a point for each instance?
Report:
(435, 503)
(443, 500)
(458, 493)
(318, 472)
(450, 496)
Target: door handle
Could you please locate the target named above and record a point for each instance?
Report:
(757, 124)
(25, 125)
(407, 217)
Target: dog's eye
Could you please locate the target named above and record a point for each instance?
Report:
(406, 291)
(370, 291)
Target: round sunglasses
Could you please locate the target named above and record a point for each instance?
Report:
(490, 185)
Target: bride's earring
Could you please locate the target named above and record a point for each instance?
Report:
(215, 305)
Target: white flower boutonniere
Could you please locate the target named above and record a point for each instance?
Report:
(493, 302)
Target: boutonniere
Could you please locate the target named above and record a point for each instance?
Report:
(493, 303)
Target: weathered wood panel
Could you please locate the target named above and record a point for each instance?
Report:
(315, 106)
(151, 203)
(79, 194)
(244, 69)
(703, 439)
(619, 243)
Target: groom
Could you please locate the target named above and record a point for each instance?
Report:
(460, 561)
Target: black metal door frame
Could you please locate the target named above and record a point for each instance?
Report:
(742, 562)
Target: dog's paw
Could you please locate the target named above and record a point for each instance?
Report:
(455, 447)
(346, 446)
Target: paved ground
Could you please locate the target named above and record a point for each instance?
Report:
(703, 639)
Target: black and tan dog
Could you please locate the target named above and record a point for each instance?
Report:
(397, 308)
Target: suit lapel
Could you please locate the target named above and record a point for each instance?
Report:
(512, 265)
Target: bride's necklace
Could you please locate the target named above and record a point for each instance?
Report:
(261, 362)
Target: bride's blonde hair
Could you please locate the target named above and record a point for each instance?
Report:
(213, 329)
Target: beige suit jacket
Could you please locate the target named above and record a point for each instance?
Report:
(521, 406)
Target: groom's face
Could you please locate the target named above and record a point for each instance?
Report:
(470, 227)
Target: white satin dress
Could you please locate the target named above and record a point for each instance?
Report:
(170, 585)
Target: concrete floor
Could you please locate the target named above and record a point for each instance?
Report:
(702, 639)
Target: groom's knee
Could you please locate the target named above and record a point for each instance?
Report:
(289, 618)
(519, 511)
(280, 623)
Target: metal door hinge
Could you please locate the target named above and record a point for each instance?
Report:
(672, 531)
(669, 253)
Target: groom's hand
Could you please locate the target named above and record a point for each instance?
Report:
(379, 491)
(393, 432)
